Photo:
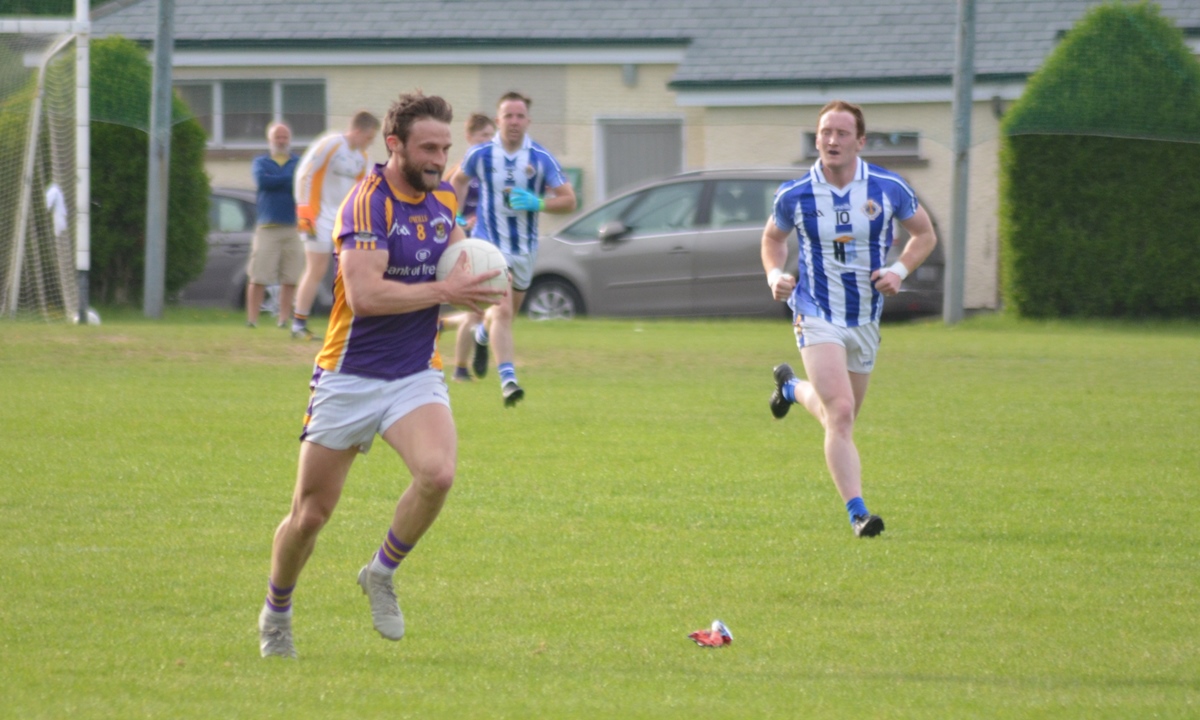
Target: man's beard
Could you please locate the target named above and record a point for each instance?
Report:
(415, 177)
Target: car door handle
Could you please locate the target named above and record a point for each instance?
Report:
(678, 250)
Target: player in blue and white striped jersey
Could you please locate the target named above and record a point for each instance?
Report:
(842, 211)
(518, 179)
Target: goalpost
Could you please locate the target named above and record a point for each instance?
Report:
(44, 174)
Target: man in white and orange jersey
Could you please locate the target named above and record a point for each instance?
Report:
(378, 372)
(328, 170)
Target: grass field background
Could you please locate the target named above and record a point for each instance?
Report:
(1038, 481)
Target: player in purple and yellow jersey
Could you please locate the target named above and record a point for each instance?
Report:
(842, 210)
(378, 371)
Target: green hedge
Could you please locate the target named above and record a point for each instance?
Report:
(14, 128)
(121, 87)
(1100, 188)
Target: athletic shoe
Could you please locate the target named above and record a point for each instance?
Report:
(385, 611)
(512, 394)
(480, 362)
(867, 525)
(275, 634)
(305, 334)
(461, 374)
(779, 404)
(251, 325)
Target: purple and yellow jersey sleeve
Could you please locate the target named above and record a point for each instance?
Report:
(414, 232)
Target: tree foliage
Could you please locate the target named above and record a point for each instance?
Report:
(14, 128)
(1099, 188)
(121, 87)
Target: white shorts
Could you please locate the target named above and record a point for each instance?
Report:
(861, 343)
(346, 411)
(322, 242)
(520, 269)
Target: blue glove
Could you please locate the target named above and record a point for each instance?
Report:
(522, 199)
(462, 221)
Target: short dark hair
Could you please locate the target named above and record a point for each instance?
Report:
(364, 120)
(477, 122)
(514, 95)
(414, 106)
(842, 106)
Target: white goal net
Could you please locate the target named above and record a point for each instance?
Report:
(38, 177)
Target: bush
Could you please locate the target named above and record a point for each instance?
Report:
(120, 100)
(1099, 189)
(14, 129)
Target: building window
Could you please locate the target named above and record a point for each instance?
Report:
(246, 110)
(879, 145)
(304, 109)
(236, 113)
(199, 99)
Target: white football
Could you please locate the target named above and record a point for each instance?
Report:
(483, 256)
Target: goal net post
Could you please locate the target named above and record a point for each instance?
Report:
(44, 186)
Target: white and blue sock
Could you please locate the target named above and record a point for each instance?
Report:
(508, 373)
(481, 334)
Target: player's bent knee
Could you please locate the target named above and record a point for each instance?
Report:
(502, 311)
(435, 481)
(839, 415)
(309, 521)
(433, 477)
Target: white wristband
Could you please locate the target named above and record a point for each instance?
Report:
(899, 269)
(773, 276)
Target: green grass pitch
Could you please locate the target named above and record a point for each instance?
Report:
(1038, 481)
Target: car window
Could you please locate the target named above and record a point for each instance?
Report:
(588, 226)
(665, 208)
(741, 203)
(228, 215)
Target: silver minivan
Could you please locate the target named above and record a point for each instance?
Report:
(688, 245)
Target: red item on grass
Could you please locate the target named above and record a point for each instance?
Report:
(717, 636)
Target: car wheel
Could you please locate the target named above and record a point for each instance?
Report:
(553, 300)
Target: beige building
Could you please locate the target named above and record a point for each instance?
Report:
(628, 91)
